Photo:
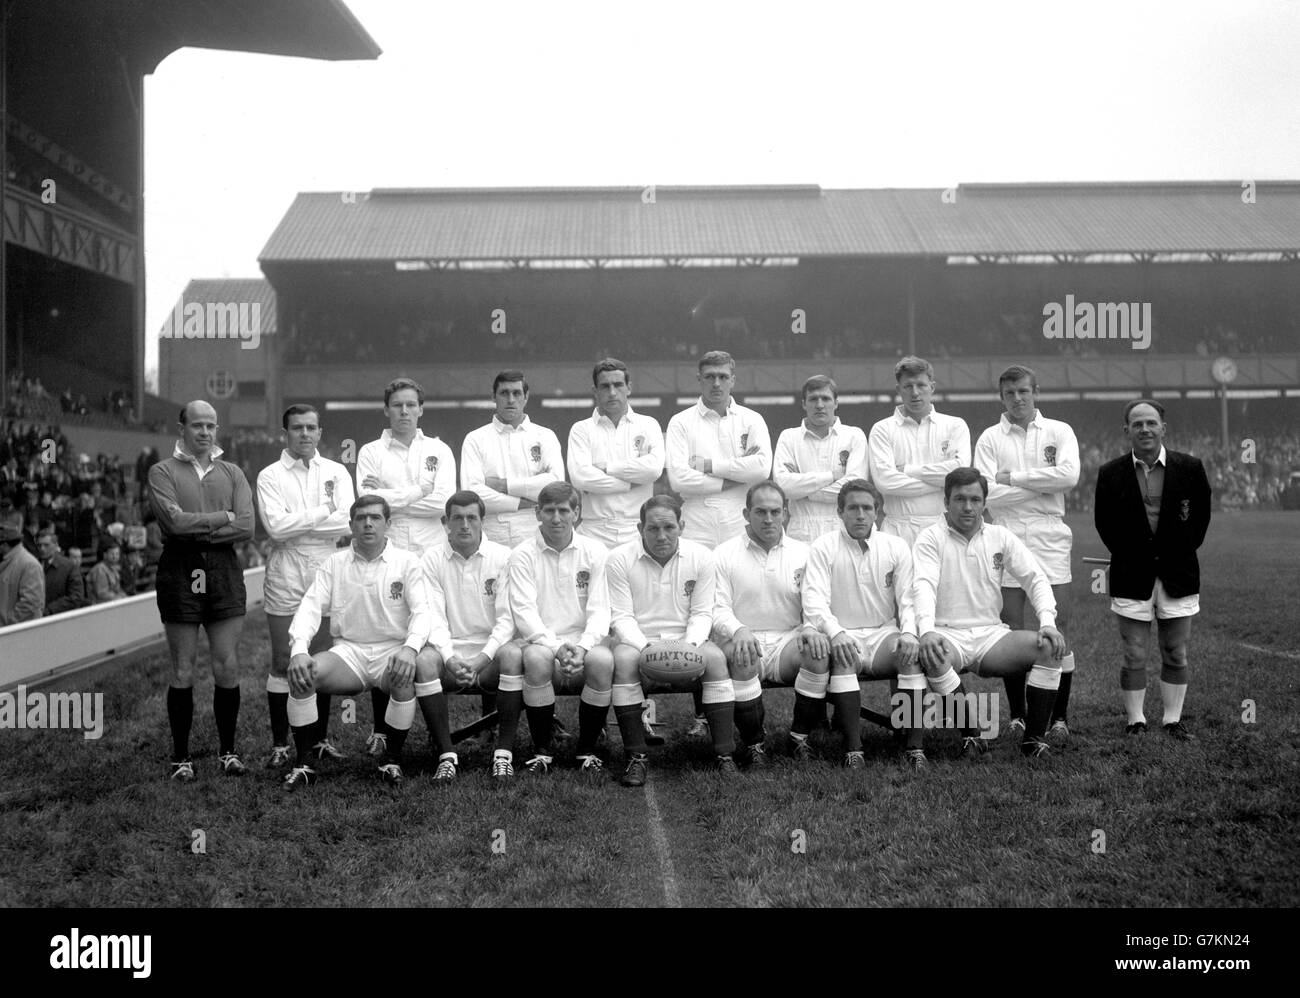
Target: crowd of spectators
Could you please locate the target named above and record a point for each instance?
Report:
(29, 399)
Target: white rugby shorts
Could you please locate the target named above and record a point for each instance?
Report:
(973, 643)
(1161, 606)
(369, 661)
(1049, 540)
(290, 572)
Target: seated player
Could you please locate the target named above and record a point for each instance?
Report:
(472, 627)
(378, 604)
(561, 609)
(857, 591)
(661, 589)
(758, 614)
(959, 566)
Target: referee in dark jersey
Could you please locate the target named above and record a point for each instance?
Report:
(205, 508)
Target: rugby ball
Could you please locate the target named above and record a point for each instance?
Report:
(671, 662)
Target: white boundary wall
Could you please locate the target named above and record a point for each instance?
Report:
(39, 650)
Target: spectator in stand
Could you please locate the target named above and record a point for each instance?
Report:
(64, 589)
(22, 585)
(105, 581)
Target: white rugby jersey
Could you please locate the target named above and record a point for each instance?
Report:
(649, 602)
(927, 450)
(814, 489)
(847, 587)
(958, 583)
(1043, 461)
(292, 500)
(702, 432)
(527, 456)
(555, 593)
(403, 471)
(368, 602)
(469, 598)
(758, 589)
(633, 455)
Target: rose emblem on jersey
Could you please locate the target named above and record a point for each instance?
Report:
(798, 577)
(844, 457)
(489, 588)
(638, 442)
(329, 489)
(744, 441)
(943, 448)
(395, 591)
(889, 579)
(535, 453)
(689, 588)
(1185, 509)
(431, 463)
(997, 561)
(1049, 455)
(582, 578)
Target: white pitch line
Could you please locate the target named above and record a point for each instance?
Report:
(1271, 651)
(659, 839)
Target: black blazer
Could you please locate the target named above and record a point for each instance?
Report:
(1137, 558)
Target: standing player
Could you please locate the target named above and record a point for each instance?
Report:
(414, 474)
(715, 450)
(509, 461)
(912, 450)
(857, 592)
(303, 500)
(1152, 512)
(375, 596)
(472, 632)
(1030, 462)
(815, 459)
(560, 606)
(959, 567)
(615, 457)
(204, 508)
(661, 588)
(758, 614)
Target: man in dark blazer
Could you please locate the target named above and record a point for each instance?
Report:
(64, 588)
(1152, 511)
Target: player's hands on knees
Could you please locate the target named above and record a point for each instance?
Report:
(845, 651)
(460, 670)
(401, 669)
(906, 650)
(474, 666)
(934, 654)
(746, 652)
(1054, 638)
(570, 657)
(814, 643)
(302, 672)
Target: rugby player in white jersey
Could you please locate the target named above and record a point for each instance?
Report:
(661, 589)
(376, 598)
(303, 500)
(716, 449)
(912, 450)
(473, 632)
(615, 458)
(758, 618)
(959, 568)
(560, 605)
(414, 474)
(857, 591)
(1031, 462)
(815, 459)
(509, 461)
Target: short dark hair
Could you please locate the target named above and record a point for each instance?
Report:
(1160, 410)
(759, 486)
(913, 366)
(369, 500)
(717, 358)
(959, 477)
(465, 497)
(400, 384)
(505, 376)
(1017, 372)
(300, 409)
(559, 492)
(610, 364)
(819, 381)
(661, 501)
(856, 485)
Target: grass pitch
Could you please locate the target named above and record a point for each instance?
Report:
(1108, 822)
